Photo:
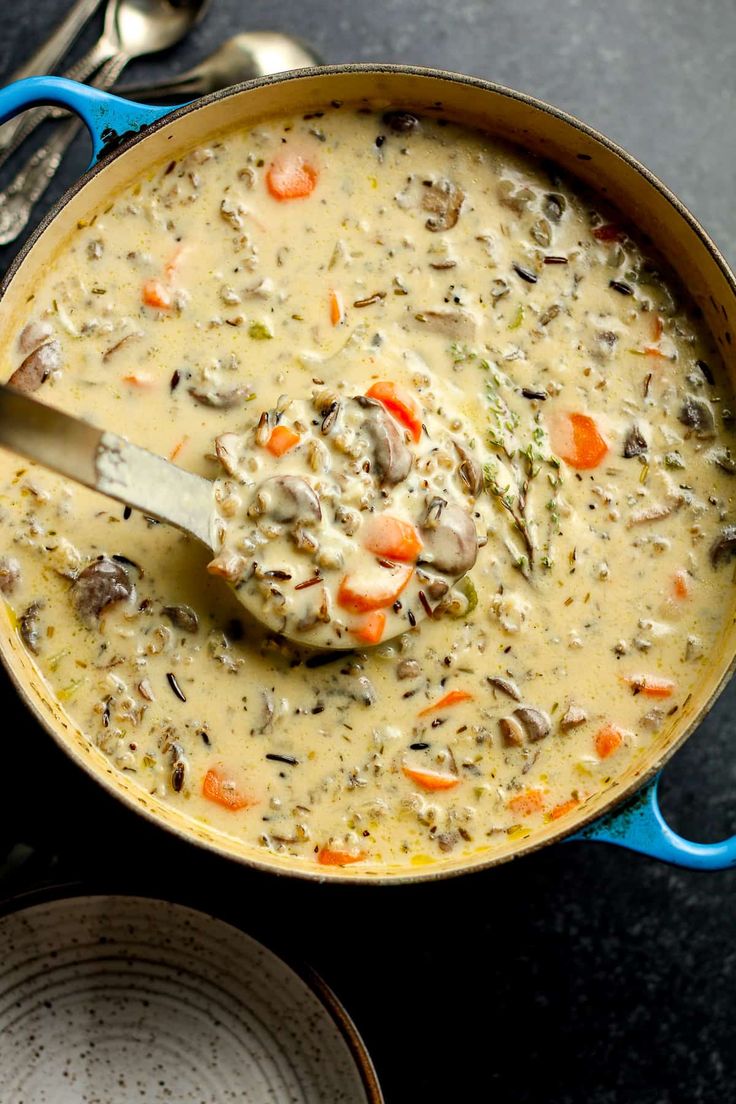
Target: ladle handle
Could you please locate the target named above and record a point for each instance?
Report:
(106, 463)
(640, 826)
(109, 119)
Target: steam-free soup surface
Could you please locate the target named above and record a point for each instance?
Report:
(531, 368)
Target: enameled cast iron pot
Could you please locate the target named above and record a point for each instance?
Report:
(129, 139)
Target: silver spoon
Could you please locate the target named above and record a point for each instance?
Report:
(132, 28)
(44, 60)
(113, 466)
(240, 58)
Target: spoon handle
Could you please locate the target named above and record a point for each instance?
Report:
(106, 463)
(48, 56)
(32, 180)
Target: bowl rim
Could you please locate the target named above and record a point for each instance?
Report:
(617, 796)
(38, 896)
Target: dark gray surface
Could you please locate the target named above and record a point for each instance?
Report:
(582, 975)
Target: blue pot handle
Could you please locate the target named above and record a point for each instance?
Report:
(640, 826)
(109, 119)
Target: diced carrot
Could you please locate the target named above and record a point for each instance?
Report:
(400, 403)
(281, 440)
(431, 780)
(156, 294)
(337, 308)
(528, 802)
(139, 379)
(609, 233)
(389, 536)
(608, 740)
(651, 686)
(577, 439)
(220, 787)
(291, 177)
(452, 697)
(371, 628)
(178, 447)
(332, 856)
(374, 589)
(563, 808)
(681, 584)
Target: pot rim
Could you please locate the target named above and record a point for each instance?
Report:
(617, 796)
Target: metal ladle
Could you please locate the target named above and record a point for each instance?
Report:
(113, 466)
(240, 58)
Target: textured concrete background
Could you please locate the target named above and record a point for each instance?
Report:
(582, 975)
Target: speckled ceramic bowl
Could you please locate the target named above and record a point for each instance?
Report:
(130, 138)
(139, 1001)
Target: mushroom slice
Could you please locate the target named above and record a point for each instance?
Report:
(286, 498)
(33, 335)
(450, 539)
(30, 628)
(724, 546)
(209, 393)
(37, 367)
(512, 732)
(99, 585)
(443, 200)
(506, 686)
(536, 724)
(182, 617)
(572, 717)
(469, 470)
(698, 414)
(391, 457)
(449, 323)
(227, 447)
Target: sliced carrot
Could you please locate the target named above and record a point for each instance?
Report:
(333, 856)
(156, 294)
(563, 808)
(371, 628)
(337, 308)
(652, 351)
(281, 440)
(431, 780)
(291, 177)
(528, 802)
(400, 403)
(452, 697)
(651, 686)
(374, 589)
(178, 447)
(657, 327)
(391, 537)
(139, 379)
(577, 439)
(681, 584)
(174, 261)
(218, 786)
(609, 233)
(608, 740)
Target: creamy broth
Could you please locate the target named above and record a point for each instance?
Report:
(547, 383)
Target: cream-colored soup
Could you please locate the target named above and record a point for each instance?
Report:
(530, 340)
